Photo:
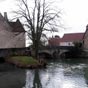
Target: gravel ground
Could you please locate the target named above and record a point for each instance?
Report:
(11, 77)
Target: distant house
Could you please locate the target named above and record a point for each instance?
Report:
(85, 45)
(12, 34)
(66, 40)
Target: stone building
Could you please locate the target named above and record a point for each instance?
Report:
(12, 34)
(85, 39)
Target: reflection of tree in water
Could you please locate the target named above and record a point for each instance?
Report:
(33, 79)
(36, 81)
(54, 77)
(50, 78)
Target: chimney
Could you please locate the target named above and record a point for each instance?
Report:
(5, 16)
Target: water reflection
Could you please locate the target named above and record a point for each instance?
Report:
(36, 81)
(57, 76)
(29, 79)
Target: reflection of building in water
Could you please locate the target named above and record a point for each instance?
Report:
(52, 78)
(74, 82)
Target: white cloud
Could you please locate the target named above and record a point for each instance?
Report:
(7, 6)
(2, 0)
(76, 15)
(75, 12)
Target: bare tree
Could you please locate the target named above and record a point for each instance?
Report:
(38, 17)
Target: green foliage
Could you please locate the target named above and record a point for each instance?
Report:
(24, 60)
(78, 44)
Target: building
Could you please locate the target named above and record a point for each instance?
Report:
(12, 34)
(85, 38)
(67, 40)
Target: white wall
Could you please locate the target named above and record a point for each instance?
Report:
(66, 44)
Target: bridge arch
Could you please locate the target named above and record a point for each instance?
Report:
(45, 54)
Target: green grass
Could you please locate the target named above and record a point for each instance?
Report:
(25, 60)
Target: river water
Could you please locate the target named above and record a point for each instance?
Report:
(58, 74)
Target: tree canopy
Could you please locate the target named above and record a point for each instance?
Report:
(39, 18)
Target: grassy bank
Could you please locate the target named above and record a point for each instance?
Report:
(24, 61)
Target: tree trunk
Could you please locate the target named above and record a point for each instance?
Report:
(35, 49)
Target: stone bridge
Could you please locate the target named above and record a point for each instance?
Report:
(55, 52)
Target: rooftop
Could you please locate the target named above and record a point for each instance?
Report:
(17, 26)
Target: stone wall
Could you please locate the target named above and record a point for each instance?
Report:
(9, 40)
(14, 51)
(18, 41)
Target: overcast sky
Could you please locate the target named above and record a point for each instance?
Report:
(75, 13)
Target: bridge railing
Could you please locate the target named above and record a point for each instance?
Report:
(58, 47)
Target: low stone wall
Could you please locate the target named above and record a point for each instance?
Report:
(14, 51)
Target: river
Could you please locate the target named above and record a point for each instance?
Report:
(70, 73)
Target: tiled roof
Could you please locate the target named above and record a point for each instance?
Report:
(17, 26)
(5, 24)
(72, 37)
